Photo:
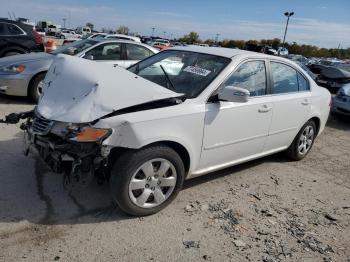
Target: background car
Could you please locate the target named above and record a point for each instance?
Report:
(341, 102)
(22, 75)
(18, 38)
(67, 34)
(121, 37)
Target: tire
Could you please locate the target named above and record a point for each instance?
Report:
(146, 198)
(34, 88)
(303, 141)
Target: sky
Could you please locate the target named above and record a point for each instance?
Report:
(325, 23)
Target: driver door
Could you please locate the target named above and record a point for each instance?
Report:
(236, 131)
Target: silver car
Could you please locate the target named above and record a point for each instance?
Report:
(22, 75)
(341, 102)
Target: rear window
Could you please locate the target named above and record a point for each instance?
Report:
(14, 30)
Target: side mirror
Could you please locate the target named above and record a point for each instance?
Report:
(89, 57)
(234, 94)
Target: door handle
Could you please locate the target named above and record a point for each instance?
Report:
(115, 65)
(305, 102)
(264, 109)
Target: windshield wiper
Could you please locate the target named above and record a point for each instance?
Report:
(167, 77)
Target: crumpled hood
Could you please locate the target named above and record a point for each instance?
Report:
(80, 91)
(15, 59)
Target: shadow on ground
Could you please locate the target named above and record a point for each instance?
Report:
(15, 100)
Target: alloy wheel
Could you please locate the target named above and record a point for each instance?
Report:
(152, 183)
(305, 140)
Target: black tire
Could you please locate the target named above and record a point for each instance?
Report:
(293, 151)
(129, 163)
(34, 90)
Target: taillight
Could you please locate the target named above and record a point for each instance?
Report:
(38, 38)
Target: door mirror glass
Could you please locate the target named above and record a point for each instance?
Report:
(234, 94)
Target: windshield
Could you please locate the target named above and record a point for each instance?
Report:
(75, 47)
(183, 72)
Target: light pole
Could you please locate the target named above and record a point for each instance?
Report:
(164, 34)
(64, 22)
(153, 28)
(216, 38)
(288, 15)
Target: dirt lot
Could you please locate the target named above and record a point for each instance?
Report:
(266, 210)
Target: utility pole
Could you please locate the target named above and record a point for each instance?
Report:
(288, 15)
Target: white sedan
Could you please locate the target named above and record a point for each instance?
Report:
(181, 113)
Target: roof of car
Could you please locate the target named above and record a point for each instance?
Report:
(108, 40)
(219, 51)
(228, 52)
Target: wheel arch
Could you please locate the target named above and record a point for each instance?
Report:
(9, 48)
(182, 151)
(32, 80)
(317, 122)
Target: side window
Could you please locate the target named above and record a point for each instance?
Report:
(251, 76)
(2, 29)
(109, 51)
(136, 52)
(303, 83)
(14, 30)
(285, 78)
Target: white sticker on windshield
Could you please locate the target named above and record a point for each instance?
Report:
(197, 70)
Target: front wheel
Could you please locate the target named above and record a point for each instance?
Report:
(36, 87)
(303, 142)
(144, 182)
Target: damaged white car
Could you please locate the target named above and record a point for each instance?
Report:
(184, 112)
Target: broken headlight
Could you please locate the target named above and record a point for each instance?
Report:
(90, 134)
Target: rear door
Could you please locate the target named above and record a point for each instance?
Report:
(291, 99)
(134, 53)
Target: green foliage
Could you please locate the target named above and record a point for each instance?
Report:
(294, 48)
(192, 37)
(124, 30)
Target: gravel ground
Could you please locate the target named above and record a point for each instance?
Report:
(269, 210)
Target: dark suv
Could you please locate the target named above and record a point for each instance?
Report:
(18, 38)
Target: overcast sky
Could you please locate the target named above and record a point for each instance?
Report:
(324, 23)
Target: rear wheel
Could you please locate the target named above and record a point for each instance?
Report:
(146, 181)
(303, 142)
(36, 87)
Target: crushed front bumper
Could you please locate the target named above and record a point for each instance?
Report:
(79, 162)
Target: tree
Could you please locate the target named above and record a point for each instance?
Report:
(192, 37)
(124, 30)
(88, 24)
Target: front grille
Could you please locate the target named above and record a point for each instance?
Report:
(41, 126)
